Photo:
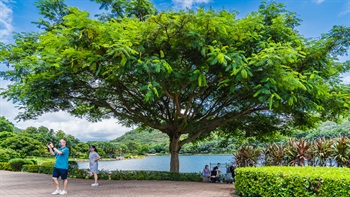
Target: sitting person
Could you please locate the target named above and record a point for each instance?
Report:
(215, 174)
(216, 168)
(230, 174)
(206, 173)
(233, 171)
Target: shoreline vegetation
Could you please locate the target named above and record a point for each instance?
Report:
(52, 159)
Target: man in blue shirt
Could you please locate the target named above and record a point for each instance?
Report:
(61, 166)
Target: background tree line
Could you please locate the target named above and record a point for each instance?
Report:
(32, 141)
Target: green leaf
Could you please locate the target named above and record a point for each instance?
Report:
(257, 93)
(200, 80)
(203, 51)
(290, 101)
(271, 101)
(98, 70)
(155, 91)
(244, 73)
(157, 68)
(123, 61)
(221, 58)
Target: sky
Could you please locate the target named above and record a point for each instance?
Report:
(318, 16)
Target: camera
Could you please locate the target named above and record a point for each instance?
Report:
(48, 149)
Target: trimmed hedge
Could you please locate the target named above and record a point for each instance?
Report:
(17, 163)
(155, 175)
(31, 168)
(44, 168)
(47, 168)
(292, 181)
(77, 173)
(5, 166)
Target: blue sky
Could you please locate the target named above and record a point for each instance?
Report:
(318, 16)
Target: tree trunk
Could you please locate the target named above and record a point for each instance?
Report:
(174, 149)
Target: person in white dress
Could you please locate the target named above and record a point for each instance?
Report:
(93, 161)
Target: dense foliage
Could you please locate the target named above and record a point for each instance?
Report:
(326, 130)
(293, 181)
(185, 73)
(17, 163)
(155, 142)
(297, 152)
(32, 142)
(5, 125)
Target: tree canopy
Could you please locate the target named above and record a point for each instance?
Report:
(186, 72)
(5, 125)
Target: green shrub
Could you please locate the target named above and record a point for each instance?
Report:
(35, 162)
(17, 163)
(293, 181)
(155, 175)
(48, 163)
(103, 175)
(31, 168)
(128, 156)
(72, 165)
(5, 166)
(77, 173)
(6, 154)
(46, 168)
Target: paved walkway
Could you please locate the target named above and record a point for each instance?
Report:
(31, 184)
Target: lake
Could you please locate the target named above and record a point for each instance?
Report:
(193, 163)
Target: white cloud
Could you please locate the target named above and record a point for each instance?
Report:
(79, 128)
(6, 27)
(346, 80)
(318, 1)
(346, 9)
(183, 4)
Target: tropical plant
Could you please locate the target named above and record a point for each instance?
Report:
(322, 150)
(247, 156)
(298, 151)
(341, 151)
(275, 154)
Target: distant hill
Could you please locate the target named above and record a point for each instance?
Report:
(144, 137)
(17, 130)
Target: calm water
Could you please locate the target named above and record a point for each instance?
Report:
(194, 163)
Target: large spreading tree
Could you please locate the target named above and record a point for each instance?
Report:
(185, 73)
